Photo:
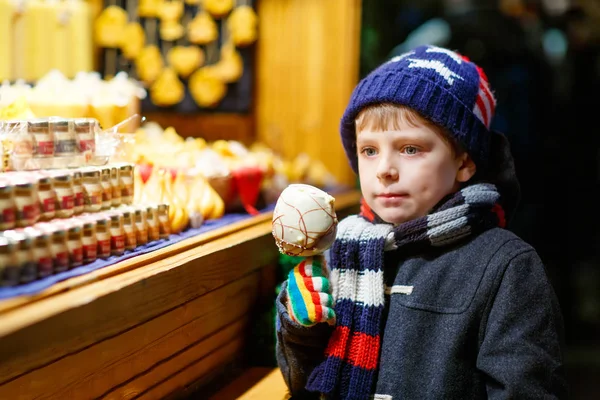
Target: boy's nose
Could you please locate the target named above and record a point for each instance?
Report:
(387, 171)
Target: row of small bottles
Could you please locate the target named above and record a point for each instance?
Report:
(32, 196)
(46, 248)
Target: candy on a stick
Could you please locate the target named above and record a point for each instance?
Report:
(304, 221)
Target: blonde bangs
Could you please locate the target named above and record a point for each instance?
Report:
(394, 117)
(388, 117)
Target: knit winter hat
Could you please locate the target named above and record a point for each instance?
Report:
(442, 85)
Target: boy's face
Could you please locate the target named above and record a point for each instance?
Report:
(405, 173)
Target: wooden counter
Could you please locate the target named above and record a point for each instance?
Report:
(146, 327)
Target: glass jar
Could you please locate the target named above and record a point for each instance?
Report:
(153, 223)
(22, 147)
(75, 243)
(163, 221)
(9, 271)
(126, 181)
(89, 239)
(129, 229)
(8, 206)
(106, 188)
(65, 195)
(27, 269)
(47, 197)
(103, 224)
(78, 201)
(85, 133)
(65, 143)
(92, 190)
(115, 182)
(141, 225)
(42, 254)
(58, 244)
(27, 202)
(117, 234)
(43, 145)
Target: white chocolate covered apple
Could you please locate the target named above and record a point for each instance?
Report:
(304, 221)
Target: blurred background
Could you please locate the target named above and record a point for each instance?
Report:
(543, 61)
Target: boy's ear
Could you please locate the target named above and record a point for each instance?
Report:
(466, 168)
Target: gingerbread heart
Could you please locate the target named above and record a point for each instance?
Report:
(149, 64)
(134, 39)
(202, 29)
(218, 8)
(109, 26)
(207, 88)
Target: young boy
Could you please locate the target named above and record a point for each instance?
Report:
(432, 298)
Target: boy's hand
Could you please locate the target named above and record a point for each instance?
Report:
(309, 293)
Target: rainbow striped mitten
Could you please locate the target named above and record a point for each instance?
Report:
(309, 293)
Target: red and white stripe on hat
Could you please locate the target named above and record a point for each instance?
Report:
(485, 103)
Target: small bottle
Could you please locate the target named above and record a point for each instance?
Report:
(8, 206)
(103, 224)
(78, 205)
(39, 129)
(106, 188)
(65, 143)
(141, 226)
(92, 190)
(115, 182)
(126, 180)
(153, 223)
(163, 221)
(23, 255)
(9, 271)
(42, 253)
(27, 201)
(58, 244)
(65, 195)
(90, 240)
(85, 132)
(129, 229)
(22, 148)
(117, 234)
(47, 197)
(75, 243)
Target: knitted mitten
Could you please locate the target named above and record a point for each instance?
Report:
(309, 293)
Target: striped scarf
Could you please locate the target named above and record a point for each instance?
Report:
(357, 264)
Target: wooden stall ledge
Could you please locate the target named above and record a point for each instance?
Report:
(258, 383)
(146, 327)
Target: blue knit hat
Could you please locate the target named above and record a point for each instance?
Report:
(443, 86)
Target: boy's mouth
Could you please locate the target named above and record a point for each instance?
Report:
(391, 195)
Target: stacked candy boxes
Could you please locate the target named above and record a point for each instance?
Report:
(55, 220)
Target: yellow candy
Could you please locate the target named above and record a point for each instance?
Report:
(109, 26)
(206, 88)
(149, 64)
(185, 60)
(134, 39)
(202, 29)
(167, 90)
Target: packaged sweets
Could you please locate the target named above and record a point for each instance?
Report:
(9, 271)
(153, 223)
(129, 229)
(75, 242)
(105, 181)
(89, 240)
(116, 186)
(42, 253)
(117, 233)
(126, 181)
(103, 235)
(163, 221)
(92, 190)
(23, 255)
(78, 201)
(58, 244)
(43, 140)
(65, 194)
(8, 205)
(27, 202)
(47, 197)
(141, 225)
(85, 133)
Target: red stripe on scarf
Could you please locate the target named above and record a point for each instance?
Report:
(499, 211)
(316, 299)
(338, 342)
(364, 351)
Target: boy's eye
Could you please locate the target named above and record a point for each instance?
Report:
(410, 150)
(369, 151)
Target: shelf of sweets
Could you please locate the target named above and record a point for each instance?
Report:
(55, 220)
